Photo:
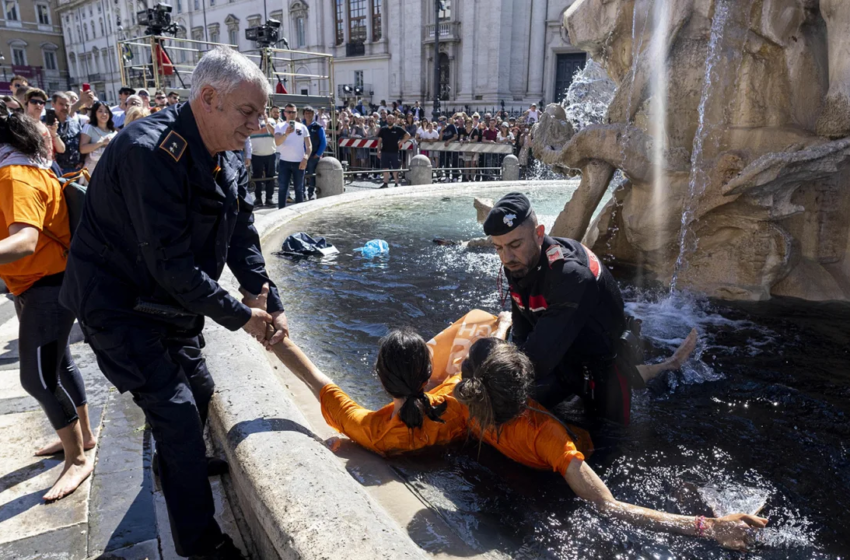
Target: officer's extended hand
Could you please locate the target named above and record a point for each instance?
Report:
(256, 325)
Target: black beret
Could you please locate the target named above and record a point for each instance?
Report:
(507, 214)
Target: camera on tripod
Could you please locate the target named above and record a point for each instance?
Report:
(265, 35)
(157, 20)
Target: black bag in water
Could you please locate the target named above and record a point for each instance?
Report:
(302, 245)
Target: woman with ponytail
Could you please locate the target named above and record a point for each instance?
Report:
(34, 240)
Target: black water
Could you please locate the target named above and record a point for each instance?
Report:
(763, 406)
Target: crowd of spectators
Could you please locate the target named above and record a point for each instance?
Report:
(356, 120)
(77, 127)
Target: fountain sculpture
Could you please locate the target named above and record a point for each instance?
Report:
(731, 124)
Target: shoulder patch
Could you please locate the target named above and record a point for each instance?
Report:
(555, 253)
(593, 263)
(174, 145)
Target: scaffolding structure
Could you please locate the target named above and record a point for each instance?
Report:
(163, 62)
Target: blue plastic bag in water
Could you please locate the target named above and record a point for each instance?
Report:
(374, 248)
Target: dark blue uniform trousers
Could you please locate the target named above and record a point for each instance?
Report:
(169, 380)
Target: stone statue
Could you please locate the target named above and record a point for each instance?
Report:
(746, 194)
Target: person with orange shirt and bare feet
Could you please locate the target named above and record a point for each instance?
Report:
(34, 240)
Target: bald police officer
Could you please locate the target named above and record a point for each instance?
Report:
(167, 209)
(568, 313)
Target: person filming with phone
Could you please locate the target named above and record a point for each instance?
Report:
(294, 146)
(70, 129)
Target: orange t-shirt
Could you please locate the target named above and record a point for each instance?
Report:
(533, 439)
(33, 196)
(385, 435)
(539, 441)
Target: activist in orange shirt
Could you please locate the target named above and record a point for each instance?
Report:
(494, 385)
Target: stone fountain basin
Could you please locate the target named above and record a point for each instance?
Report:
(297, 498)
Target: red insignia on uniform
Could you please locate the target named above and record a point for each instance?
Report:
(555, 253)
(537, 303)
(517, 300)
(593, 263)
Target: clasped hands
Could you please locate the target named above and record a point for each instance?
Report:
(269, 329)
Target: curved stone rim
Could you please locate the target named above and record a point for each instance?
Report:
(296, 498)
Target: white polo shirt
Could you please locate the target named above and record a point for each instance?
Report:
(292, 149)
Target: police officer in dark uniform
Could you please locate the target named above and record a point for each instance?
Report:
(166, 210)
(568, 313)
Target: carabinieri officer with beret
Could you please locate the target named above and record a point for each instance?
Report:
(568, 313)
(166, 209)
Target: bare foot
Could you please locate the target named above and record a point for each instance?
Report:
(72, 476)
(56, 447)
(681, 355)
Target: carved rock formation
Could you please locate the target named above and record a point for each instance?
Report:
(755, 154)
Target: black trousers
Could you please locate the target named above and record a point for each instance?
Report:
(263, 167)
(169, 380)
(48, 371)
(605, 388)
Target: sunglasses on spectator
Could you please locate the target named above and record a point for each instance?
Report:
(160, 97)
(291, 112)
(37, 101)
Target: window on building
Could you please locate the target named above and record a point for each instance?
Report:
(213, 36)
(212, 2)
(102, 29)
(91, 13)
(357, 21)
(42, 12)
(340, 21)
(79, 35)
(232, 36)
(358, 78)
(98, 8)
(377, 8)
(86, 30)
(446, 10)
(179, 6)
(49, 60)
(300, 35)
(197, 5)
(12, 10)
(19, 56)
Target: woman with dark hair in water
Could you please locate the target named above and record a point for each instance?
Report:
(491, 402)
(34, 240)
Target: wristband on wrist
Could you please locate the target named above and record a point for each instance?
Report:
(699, 522)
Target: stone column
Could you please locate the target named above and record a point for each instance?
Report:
(510, 168)
(329, 178)
(420, 171)
(537, 51)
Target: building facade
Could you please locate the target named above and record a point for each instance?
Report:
(493, 53)
(31, 44)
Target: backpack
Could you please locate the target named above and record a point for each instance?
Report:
(75, 199)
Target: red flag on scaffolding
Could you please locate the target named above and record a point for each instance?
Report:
(280, 87)
(166, 67)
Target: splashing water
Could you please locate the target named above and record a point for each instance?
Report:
(588, 96)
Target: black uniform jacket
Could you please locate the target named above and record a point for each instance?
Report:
(161, 219)
(567, 310)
